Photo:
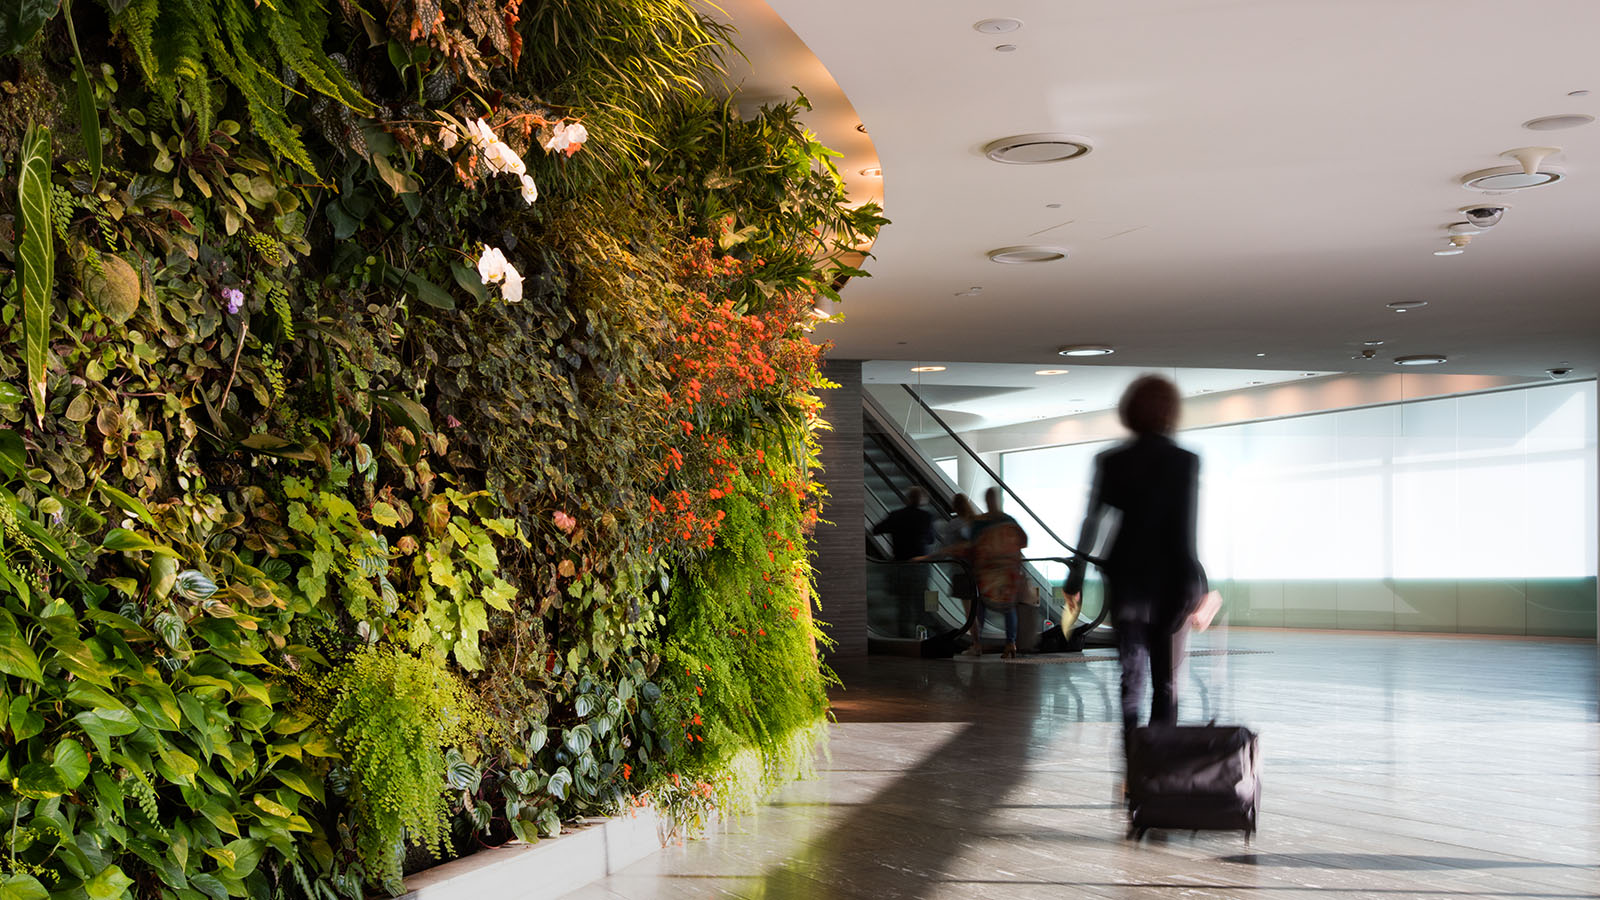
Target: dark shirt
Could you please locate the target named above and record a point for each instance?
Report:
(910, 530)
(1152, 570)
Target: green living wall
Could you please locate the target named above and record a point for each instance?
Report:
(405, 434)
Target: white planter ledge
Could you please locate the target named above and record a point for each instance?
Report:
(549, 869)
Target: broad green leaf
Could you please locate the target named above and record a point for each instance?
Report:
(25, 721)
(404, 411)
(71, 763)
(101, 725)
(36, 258)
(16, 657)
(210, 886)
(310, 787)
(121, 539)
(22, 887)
(129, 503)
(384, 514)
(559, 782)
(468, 279)
(399, 182)
(430, 293)
(110, 884)
(38, 781)
(550, 822)
(194, 586)
(20, 21)
(272, 807)
(13, 456)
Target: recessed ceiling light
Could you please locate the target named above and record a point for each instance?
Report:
(1013, 256)
(1577, 93)
(996, 26)
(1260, 354)
(872, 172)
(1037, 149)
(1085, 350)
(1403, 305)
(1052, 206)
(1005, 48)
(1556, 123)
(1052, 371)
(1308, 374)
(1372, 343)
(1448, 251)
(1253, 383)
(928, 368)
(1421, 359)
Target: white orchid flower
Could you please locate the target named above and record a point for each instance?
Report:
(494, 268)
(492, 265)
(512, 289)
(577, 134)
(500, 158)
(530, 191)
(558, 140)
(481, 135)
(448, 137)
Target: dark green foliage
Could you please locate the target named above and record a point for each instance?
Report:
(182, 44)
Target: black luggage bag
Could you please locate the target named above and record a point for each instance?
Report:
(1194, 777)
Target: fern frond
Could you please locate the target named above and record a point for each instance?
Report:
(288, 38)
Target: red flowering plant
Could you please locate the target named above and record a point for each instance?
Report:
(734, 368)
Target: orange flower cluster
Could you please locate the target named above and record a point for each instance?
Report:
(723, 357)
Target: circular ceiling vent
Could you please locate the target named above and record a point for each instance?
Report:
(1531, 173)
(1037, 149)
(1014, 256)
(1511, 178)
(1556, 123)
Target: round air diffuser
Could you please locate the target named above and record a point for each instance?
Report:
(1015, 256)
(1037, 149)
(1531, 173)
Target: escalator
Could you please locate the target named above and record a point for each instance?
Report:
(915, 608)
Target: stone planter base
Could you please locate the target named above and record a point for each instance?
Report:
(549, 869)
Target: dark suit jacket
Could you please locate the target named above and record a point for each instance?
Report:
(1152, 571)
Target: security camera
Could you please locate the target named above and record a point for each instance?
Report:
(1484, 216)
(1558, 372)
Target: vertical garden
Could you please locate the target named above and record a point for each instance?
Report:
(406, 434)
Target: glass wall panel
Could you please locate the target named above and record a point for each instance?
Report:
(1472, 512)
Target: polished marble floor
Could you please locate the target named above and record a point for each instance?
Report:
(1395, 767)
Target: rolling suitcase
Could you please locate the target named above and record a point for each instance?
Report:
(1193, 777)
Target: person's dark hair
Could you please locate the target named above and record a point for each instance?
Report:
(962, 505)
(916, 496)
(1150, 406)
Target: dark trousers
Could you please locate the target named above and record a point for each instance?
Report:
(1152, 646)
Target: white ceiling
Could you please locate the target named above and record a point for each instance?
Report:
(1267, 174)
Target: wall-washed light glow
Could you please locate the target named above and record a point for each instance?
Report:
(1485, 486)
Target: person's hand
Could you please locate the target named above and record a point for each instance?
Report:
(1209, 606)
(1075, 600)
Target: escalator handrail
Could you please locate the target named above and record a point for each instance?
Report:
(995, 475)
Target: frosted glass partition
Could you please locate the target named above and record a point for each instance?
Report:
(1473, 513)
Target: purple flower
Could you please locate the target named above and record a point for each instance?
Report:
(234, 298)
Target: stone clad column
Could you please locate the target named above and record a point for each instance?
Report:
(841, 559)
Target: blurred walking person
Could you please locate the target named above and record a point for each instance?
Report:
(1153, 577)
(997, 542)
